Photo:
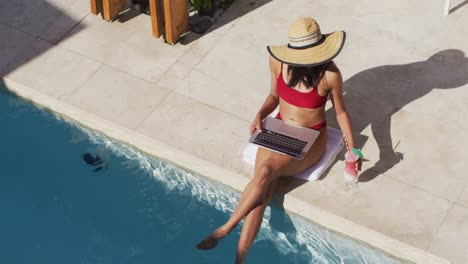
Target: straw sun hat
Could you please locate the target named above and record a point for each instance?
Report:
(307, 45)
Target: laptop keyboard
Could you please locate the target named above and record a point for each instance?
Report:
(280, 142)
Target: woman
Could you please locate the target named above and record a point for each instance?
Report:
(302, 77)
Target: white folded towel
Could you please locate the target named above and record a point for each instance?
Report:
(334, 146)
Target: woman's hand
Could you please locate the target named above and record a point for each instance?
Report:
(256, 124)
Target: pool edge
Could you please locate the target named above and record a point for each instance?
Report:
(393, 246)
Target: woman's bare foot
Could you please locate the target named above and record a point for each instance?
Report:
(212, 240)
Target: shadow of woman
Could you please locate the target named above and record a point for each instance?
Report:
(374, 95)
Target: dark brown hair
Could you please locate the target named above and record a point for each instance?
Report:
(309, 75)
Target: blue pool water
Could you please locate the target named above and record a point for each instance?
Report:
(128, 207)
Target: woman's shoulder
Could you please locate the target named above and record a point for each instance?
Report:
(332, 67)
(333, 76)
(332, 72)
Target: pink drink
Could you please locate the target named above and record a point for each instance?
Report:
(351, 172)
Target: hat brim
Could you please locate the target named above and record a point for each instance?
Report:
(322, 53)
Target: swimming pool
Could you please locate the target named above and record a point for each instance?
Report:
(71, 195)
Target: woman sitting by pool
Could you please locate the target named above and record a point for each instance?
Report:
(302, 76)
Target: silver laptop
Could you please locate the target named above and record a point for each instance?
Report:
(288, 139)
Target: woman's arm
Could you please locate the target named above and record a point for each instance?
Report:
(271, 102)
(335, 82)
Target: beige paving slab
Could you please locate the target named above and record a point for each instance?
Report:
(50, 69)
(458, 106)
(450, 241)
(406, 20)
(444, 71)
(200, 130)
(430, 150)
(117, 96)
(47, 19)
(241, 97)
(366, 51)
(13, 42)
(451, 88)
(443, 104)
(238, 10)
(127, 46)
(463, 199)
(389, 207)
(454, 35)
(291, 10)
(239, 86)
(412, 20)
(201, 45)
(72, 12)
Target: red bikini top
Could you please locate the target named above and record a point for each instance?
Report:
(306, 100)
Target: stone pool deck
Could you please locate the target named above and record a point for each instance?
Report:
(405, 70)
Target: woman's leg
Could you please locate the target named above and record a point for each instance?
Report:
(252, 223)
(252, 197)
(268, 166)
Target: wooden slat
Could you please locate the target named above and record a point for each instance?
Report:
(111, 8)
(96, 6)
(176, 19)
(157, 17)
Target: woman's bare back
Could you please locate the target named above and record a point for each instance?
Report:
(306, 117)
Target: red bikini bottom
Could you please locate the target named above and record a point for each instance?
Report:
(315, 127)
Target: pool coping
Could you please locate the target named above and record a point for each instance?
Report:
(185, 160)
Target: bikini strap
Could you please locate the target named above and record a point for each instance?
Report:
(281, 72)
